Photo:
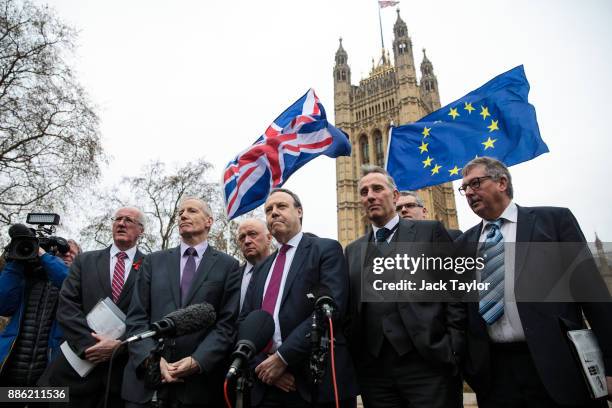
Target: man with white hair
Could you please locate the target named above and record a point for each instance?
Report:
(255, 240)
(191, 366)
(96, 275)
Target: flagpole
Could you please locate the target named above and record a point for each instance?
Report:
(382, 41)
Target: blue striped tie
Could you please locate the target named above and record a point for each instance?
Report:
(491, 305)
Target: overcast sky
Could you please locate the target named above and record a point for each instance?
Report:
(178, 80)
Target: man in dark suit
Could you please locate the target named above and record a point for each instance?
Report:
(406, 353)
(255, 240)
(410, 206)
(280, 286)
(96, 275)
(518, 354)
(191, 366)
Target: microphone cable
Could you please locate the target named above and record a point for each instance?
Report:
(108, 377)
(333, 362)
(228, 403)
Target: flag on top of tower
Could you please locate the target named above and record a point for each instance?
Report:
(495, 120)
(387, 3)
(297, 136)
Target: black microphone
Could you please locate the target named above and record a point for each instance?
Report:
(323, 300)
(180, 322)
(254, 333)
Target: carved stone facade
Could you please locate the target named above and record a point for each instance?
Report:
(390, 95)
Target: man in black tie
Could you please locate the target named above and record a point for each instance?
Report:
(96, 275)
(407, 354)
(191, 366)
(518, 354)
(255, 240)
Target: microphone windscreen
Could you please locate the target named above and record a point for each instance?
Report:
(18, 230)
(258, 328)
(193, 318)
(318, 291)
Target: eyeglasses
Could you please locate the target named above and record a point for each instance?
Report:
(407, 206)
(125, 219)
(474, 184)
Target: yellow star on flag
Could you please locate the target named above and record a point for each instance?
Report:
(468, 107)
(436, 169)
(426, 131)
(489, 143)
(493, 126)
(423, 147)
(484, 112)
(454, 171)
(453, 112)
(427, 162)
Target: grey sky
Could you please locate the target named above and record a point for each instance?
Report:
(183, 79)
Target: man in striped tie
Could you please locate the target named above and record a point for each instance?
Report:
(96, 275)
(518, 355)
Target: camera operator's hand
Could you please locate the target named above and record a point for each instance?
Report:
(41, 251)
(102, 350)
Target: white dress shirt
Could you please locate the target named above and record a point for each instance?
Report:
(294, 242)
(131, 253)
(508, 327)
(246, 279)
(390, 226)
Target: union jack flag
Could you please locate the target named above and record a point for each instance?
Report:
(297, 136)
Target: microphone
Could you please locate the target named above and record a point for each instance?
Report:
(323, 300)
(254, 334)
(180, 322)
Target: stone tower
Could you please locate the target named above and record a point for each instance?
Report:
(390, 95)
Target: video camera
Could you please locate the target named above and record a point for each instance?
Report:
(25, 241)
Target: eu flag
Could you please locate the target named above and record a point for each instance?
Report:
(495, 120)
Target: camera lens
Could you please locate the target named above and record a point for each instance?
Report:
(25, 249)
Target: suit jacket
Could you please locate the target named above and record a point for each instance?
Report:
(454, 233)
(158, 293)
(316, 261)
(87, 283)
(542, 322)
(435, 329)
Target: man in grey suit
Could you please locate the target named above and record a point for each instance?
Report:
(96, 275)
(191, 366)
(405, 353)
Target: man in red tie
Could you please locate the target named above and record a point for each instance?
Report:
(96, 275)
(280, 286)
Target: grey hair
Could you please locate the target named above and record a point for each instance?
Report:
(256, 220)
(417, 199)
(493, 168)
(140, 217)
(370, 168)
(76, 244)
(203, 204)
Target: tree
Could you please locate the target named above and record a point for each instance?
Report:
(158, 191)
(49, 132)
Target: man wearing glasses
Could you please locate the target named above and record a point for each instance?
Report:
(518, 353)
(410, 206)
(96, 275)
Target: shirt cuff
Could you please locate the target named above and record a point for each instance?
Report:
(282, 359)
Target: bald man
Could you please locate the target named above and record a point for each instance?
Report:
(255, 240)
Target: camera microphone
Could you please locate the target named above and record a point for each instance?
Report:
(254, 334)
(323, 300)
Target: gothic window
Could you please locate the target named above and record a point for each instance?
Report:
(338, 75)
(365, 149)
(378, 145)
(343, 76)
(402, 48)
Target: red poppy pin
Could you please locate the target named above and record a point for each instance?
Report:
(136, 264)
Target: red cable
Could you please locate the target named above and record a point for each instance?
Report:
(226, 395)
(333, 362)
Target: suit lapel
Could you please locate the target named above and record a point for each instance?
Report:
(524, 229)
(173, 266)
(296, 264)
(103, 270)
(127, 286)
(208, 260)
(261, 277)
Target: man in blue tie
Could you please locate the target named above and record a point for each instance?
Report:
(194, 272)
(518, 355)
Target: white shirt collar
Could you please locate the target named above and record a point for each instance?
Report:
(390, 225)
(131, 253)
(200, 248)
(295, 240)
(510, 214)
(248, 267)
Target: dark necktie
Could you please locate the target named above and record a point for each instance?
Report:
(188, 272)
(271, 296)
(382, 235)
(118, 276)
